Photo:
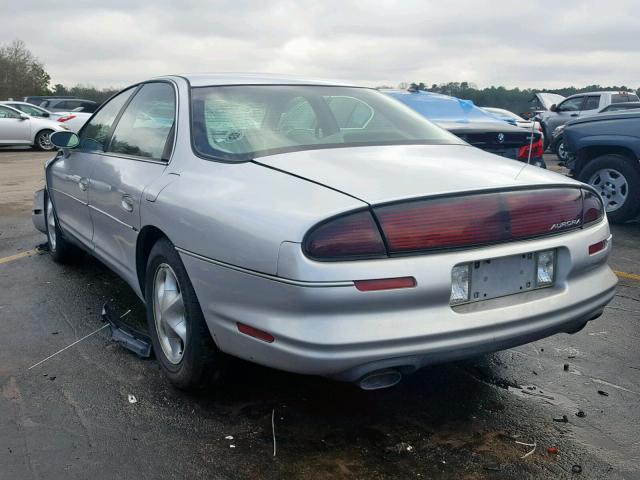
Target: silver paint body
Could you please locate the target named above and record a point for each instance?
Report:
(24, 129)
(239, 227)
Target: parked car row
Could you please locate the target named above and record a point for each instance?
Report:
(21, 129)
(72, 120)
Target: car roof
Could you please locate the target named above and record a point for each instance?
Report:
(611, 92)
(217, 79)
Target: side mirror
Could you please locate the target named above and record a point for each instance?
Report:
(24, 116)
(65, 139)
(46, 114)
(553, 107)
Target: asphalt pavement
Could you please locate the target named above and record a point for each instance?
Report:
(543, 410)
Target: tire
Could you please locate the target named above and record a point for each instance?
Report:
(42, 141)
(561, 152)
(181, 339)
(617, 180)
(59, 248)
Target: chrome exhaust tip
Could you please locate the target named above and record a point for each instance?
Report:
(380, 379)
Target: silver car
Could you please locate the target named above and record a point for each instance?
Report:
(319, 228)
(19, 129)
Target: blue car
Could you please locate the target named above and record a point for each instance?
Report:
(474, 125)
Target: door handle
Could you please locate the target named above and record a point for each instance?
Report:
(574, 114)
(83, 184)
(127, 203)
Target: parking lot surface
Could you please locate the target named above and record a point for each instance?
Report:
(571, 400)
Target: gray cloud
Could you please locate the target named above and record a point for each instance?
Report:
(544, 43)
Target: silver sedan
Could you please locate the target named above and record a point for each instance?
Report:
(319, 228)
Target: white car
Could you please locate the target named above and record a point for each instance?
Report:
(73, 120)
(18, 128)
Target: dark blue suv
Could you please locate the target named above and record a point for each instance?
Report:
(607, 156)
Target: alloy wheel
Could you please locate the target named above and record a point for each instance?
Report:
(169, 313)
(51, 225)
(44, 141)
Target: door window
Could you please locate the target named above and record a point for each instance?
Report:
(8, 113)
(145, 125)
(95, 134)
(570, 105)
(592, 103)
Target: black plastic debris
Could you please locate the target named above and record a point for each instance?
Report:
(603, 393)
(566, 367)
(581, 414)
(576, 469)
(124, 335)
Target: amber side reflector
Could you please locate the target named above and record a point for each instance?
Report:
(596, 247)
(385, 284)
(255, 333)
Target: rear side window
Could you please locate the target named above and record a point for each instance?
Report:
(145, 125)
(624, 97)
(592, 103)
(94, 135)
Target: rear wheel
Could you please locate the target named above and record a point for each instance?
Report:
(618, 183)
(181, 339)
(59, 248)
(43, 140)
(561, 151)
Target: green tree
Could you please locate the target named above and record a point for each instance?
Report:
(21, 73)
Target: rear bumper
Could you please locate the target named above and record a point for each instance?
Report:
(328, 327)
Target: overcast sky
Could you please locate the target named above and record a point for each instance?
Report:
(513, 43)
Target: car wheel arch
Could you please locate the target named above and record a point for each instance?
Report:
(587, 154)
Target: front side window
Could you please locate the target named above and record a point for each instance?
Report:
(238, 123)
(8, 113)
(95, 133)
(143, 129)
(571, 105)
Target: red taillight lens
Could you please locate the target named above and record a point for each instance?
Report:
(479, 219)
(593, 210)
(544, 211)
(450, 222)
(537, 150)
(352, 236)
(385, 284)
(66, 118)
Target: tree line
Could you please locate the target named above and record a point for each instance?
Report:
(22, 74)
(514, 99)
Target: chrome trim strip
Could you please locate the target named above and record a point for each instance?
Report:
(117, 220)
(70, 196)
(298, 283)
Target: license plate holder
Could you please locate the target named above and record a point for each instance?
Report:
(498, 277)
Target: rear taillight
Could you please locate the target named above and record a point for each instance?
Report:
(349, 237)
(479, 219)
(66, 118)
(537, 150)
(592, 208)
(453, 222)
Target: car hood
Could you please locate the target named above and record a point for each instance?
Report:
(547, 99)
(388, 173)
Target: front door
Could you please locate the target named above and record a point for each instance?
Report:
(68, 175)
(14, 130)
(137, 155)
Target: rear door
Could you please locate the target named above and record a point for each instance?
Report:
(68, 176)
(137, 154)
(13, 129)
(591, 105)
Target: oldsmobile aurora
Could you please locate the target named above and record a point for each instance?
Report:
(318, 228)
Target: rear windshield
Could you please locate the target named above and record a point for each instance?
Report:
(239, 123)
